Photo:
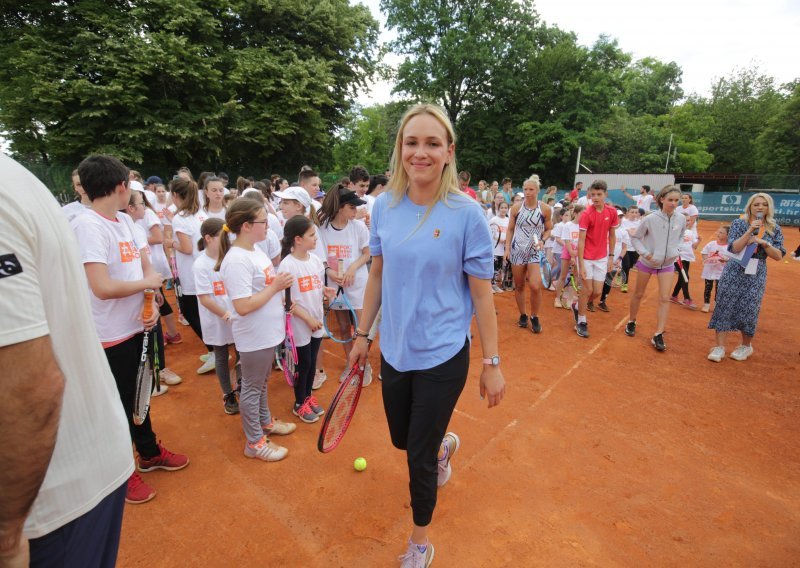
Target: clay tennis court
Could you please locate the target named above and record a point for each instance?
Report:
(603, 453)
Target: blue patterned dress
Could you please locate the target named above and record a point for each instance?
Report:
(738, 294)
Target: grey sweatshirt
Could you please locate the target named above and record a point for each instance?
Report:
(660, 236)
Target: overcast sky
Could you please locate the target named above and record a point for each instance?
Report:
(706, 38)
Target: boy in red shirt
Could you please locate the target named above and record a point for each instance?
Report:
(597, 237)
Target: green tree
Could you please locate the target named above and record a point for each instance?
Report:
(367, 138)
(778, 144)
(652, 87)
(243, 84)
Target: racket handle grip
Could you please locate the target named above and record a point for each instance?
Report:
(147, 309)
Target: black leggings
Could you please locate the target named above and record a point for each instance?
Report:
(306, 367)
(628, 262)
(418, 406)
(164, 309)
(123, 359)
(681, 284)
(190, 310)
(707, 291)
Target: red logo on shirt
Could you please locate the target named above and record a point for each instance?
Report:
(339, 251)
(219, 288)
(308, 283)
(268, 275)
(128, 252)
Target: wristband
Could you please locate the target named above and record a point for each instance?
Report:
(360, 333)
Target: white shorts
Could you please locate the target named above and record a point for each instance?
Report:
(595, 269)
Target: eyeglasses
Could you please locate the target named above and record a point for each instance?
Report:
(254, 222)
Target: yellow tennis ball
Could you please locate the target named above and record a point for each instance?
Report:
(360, 464)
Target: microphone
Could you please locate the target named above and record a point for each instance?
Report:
(760, 217)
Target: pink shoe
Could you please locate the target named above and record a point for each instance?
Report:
(674, 300)
(689, 304)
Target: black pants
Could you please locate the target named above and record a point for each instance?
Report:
(190, 310)
(707, 291)
(306, 368)
(418, 406)
(606, 288)
(682, 284)
(90, 541)
(124, 362)
(628, 262)
(164, 309)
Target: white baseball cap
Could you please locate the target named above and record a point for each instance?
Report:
(296, 193)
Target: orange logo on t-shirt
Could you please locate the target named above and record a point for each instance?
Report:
(308, 283)
(269, 275)
(339, 251)
(128, 252)
(219, 288)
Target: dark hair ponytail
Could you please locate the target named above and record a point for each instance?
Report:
(295, 227)
(330, 205)
(211, 228)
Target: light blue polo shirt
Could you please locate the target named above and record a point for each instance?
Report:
(427, 307)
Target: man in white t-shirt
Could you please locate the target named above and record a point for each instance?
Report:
(643, 200)
(64, 444)
(118, 275)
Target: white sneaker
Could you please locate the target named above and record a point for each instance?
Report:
(182, 320)
(367, 376)
(169, 377)
(157, 392)
(451, 443)
(716, 354)
(209, 365)
(705, 308)
(742, 352)
(204, 357)
(319, 379)
(265, 450)
(413, 558)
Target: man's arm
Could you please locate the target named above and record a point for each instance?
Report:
(33, 387)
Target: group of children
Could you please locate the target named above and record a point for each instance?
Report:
(606, 239)
(231, 261)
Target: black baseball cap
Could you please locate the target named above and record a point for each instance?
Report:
(350, 197)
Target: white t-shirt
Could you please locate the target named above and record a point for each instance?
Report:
(43, 273)
(112, 242)
(629, 225)
(570, 232)
(271, 246)
(499, 226)
(157, 255)
(189, 225)
(583, 200)
(718, 254)
(245, 273)
(622, 238)
(212, 215)
(216, 331)
(161, 212)
(308, 277)
(557, 232)
(275, 225)
(370, 203)
(686, 250)
(643, 201)
(690, 211)
(347, 244)
(72, 210)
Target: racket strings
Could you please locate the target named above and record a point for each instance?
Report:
(341, 411)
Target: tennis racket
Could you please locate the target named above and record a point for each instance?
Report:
(144, 374)
(176, 281)
(616, 278)
(341, 410)
(683, 272)
(289, 355)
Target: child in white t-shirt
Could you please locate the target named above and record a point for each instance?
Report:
(347, 241)
(216, 310)
(255, 289)
(308, 274)
(715, 256)
(686, 252)
(82, 205)
(498, 225)
(118, 274)
(186, 222)
(567, 237)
